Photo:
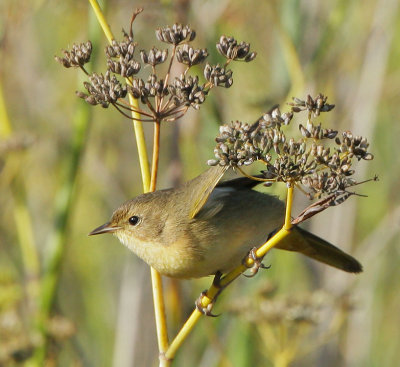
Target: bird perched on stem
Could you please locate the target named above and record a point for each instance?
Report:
(204, 227)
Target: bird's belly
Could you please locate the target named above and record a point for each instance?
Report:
(208, 245)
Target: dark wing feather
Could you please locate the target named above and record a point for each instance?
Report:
(241, 183)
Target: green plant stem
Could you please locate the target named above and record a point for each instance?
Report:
(63, 210)
(64, 202)
(23, 220)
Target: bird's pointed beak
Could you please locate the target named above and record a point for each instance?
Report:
(105, 228)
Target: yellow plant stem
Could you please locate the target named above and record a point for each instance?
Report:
(184, 332)
(159, 311)
(289, 204)
(137, 125)
(215, 290)
(158, 295)
(156, 155)
(149, 184)
(141, 146)
(102, 20)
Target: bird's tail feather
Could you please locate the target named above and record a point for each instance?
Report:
(318, 249)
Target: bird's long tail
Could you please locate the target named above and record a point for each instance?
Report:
(302, 241)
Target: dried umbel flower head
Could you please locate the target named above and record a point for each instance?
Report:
(137, 89)
(154, 56)
(149, 89)
(232, 50)
(163, 96)
(354, 145)
(120, 57)
(218, 76)
(274, 118)
(124, 49)
(189, 56)
(78, 56)
(155, 87)
(296, 318)
(175, 34)
(103, 90)
(313, 105)
(320, 161)
(124, 67)
(187, 91)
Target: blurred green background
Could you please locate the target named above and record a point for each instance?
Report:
(64, 167)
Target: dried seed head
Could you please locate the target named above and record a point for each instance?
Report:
(137, 89)
(275, 118)
(102, 89)
(149, 89)
(315, 165)
(154, 57)
(155, 87)
(175, 34)
(120, 57)
(315, 106)
(124, 49)
(78, 56)
(229, 48)
(354, 145)
(123, 67)
(187, 92)
(316, 132)
(218, 76)
(189, 56)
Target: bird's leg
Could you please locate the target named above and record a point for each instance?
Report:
(207, 310)
(257, 263)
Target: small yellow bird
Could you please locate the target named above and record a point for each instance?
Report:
(205, 227)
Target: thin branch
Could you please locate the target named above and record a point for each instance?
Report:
(131, 117)
(129, 108)
(170, 65)
(168, 74)
(151, 108)
(174, 118)
(167, 103)
(83, 69)
(174, 110)
(134, 15)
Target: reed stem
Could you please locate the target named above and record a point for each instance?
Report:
(149, 184)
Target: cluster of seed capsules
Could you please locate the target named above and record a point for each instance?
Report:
(321, 160)
(164, 97)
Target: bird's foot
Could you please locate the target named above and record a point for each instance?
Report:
(207, 309)
(199, 305)
(257, 263)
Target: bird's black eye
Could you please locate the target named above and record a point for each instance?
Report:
(134, 220)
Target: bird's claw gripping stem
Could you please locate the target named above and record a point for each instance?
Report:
(257, 263)
(205, 310)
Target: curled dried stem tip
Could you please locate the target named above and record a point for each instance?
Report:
(136, 12)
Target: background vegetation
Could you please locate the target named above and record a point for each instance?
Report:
(64, 168)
